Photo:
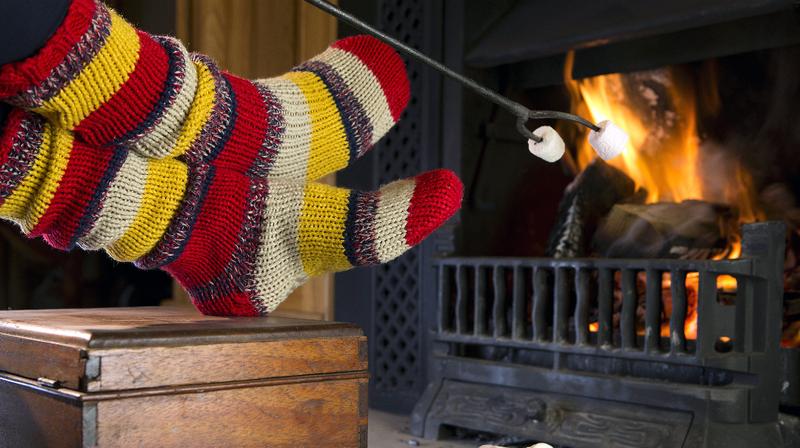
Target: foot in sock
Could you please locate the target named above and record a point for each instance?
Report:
(238, 244)
(116, 86)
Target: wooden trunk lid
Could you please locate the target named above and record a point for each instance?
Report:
(113, 349)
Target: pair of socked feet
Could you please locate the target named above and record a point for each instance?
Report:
(124, 141)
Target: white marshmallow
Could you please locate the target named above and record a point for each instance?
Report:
(551, 148)
(610, 141)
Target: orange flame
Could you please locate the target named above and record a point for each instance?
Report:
(665, 155)
(664, 151)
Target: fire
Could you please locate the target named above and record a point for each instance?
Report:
(664, 151)
(665, 155)
(667, 171)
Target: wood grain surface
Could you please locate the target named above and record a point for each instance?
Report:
(312, 410)
(156, 377)
(324, 413)
(132, 348)
(204, 364)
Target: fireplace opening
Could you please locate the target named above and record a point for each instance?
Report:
(719, 133)
(713, 147)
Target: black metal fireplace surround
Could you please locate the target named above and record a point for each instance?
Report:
(513, 353)
(503, 344)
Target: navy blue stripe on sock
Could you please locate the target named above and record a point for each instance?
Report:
(350, 229)
(98, 196)
(209, 178)
(174, 240)
(347, 114)
(165, 99)
(226, 134)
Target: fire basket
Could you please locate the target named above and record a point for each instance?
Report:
(537, 348)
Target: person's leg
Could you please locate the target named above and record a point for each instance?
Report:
(25, 26)
(238, 244)
(116, 86)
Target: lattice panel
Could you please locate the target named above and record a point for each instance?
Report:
(396, 330)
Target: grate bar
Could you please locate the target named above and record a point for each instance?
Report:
(582, 280)
(677, 335)
(628, 315)
(518, 305)
(561, 315)
(706, 299)
(652, 317)
(462, 289)
(605, 305)
(541, 292)
(499, 309)
(444, 298)
(480, 302)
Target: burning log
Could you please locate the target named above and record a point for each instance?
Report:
(586, 200)
(689, 229)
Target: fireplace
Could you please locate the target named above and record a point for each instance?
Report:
(641, 302)
(656, 318)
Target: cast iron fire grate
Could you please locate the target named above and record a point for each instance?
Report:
(613, 352)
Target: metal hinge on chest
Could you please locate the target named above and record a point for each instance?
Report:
(47, 382)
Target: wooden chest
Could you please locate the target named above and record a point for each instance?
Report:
(168, 377)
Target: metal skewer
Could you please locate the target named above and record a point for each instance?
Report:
(522, 113)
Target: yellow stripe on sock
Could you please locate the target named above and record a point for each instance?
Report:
(163, 191)
(99, 80)
(321, 233)
(17, 203)
(329, 149)
(54, 166)
(200, 111)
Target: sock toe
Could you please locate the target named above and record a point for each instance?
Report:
(437, 196)
(387, 66)
(410, 209)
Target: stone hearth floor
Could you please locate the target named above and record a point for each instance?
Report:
(391, 431)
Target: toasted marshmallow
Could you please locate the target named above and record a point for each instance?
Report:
(610, 141)
(551, 148)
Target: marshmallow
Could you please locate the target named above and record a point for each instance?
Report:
(551, 148)
(610, 141)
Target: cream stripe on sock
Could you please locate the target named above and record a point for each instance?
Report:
(121, 204)
(365, 87)
(390, 222)
(279, 267)
(291, 160)
(163, 192)
(161, 139)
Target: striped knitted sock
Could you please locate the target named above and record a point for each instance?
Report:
(116, 86)
(238, 244)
